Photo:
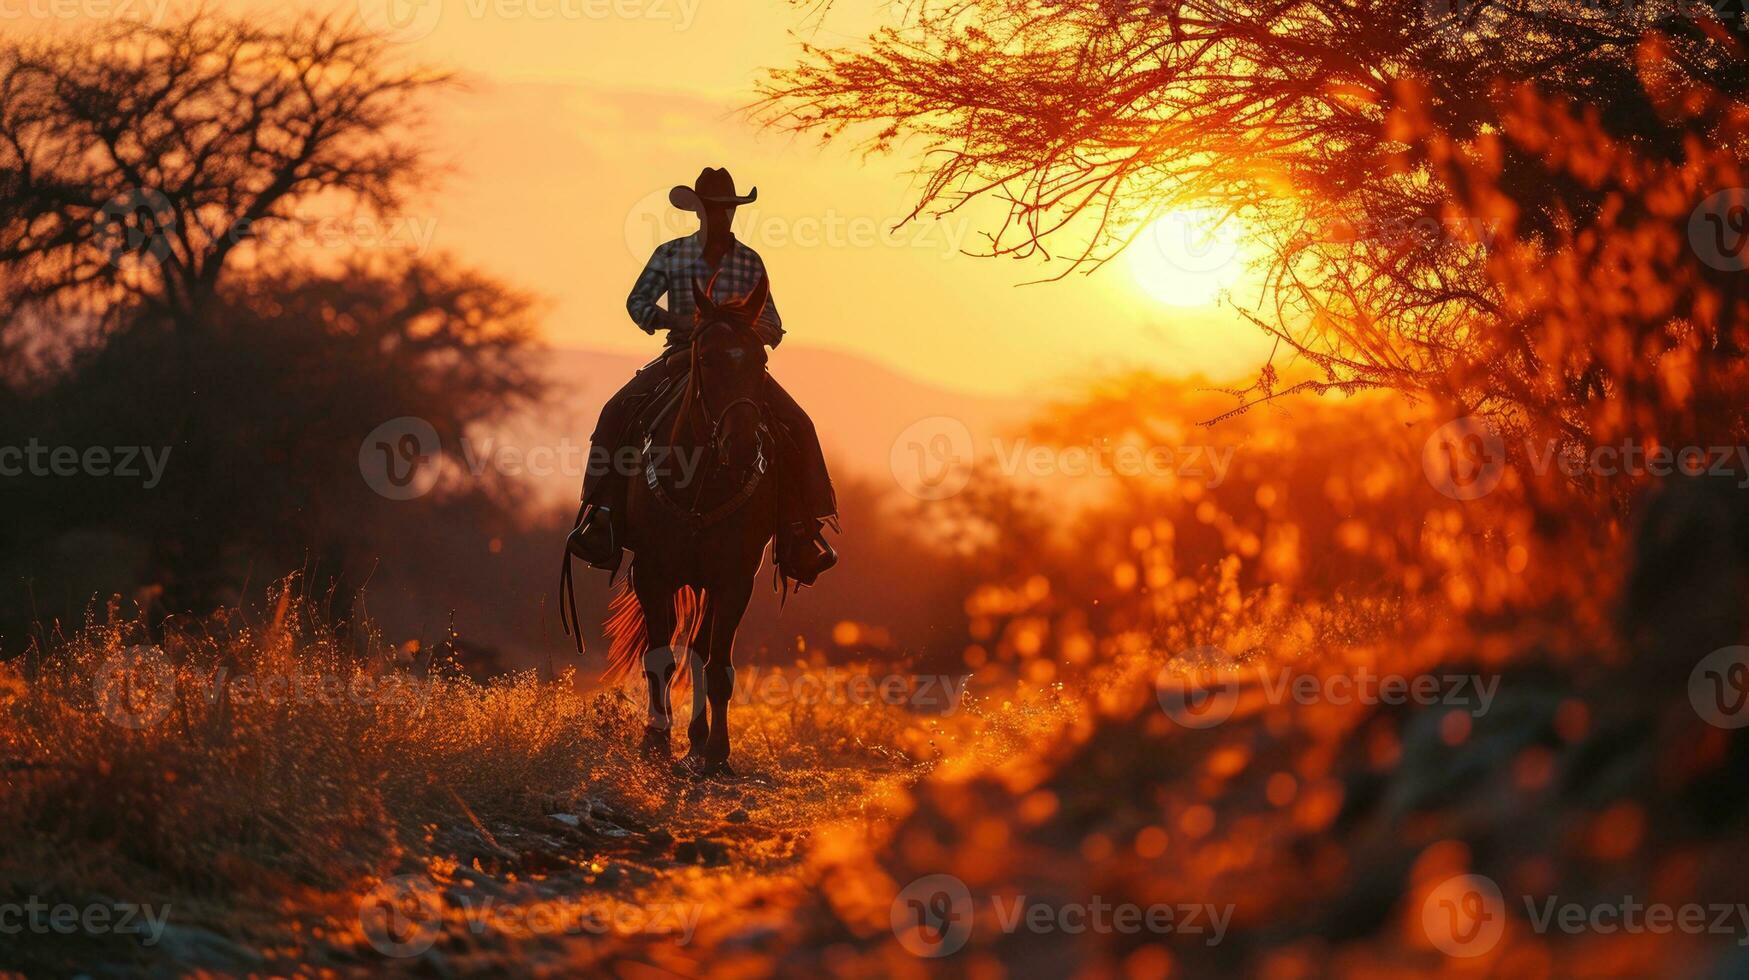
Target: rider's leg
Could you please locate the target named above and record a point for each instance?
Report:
(806, 500)
(605, 479)
(814, 483)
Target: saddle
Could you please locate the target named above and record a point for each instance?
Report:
(649, 414)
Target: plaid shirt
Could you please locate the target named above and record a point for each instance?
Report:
(676, 265)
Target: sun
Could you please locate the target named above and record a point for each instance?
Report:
(1188, 257)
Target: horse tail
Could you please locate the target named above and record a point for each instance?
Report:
(629, 638)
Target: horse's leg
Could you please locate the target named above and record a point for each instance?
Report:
(699, 654)
(727, 608)
(657, 602)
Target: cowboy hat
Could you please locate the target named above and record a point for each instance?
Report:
(713, 186)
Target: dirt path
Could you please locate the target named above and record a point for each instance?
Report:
(600, 881)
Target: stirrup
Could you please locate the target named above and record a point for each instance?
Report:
(796, 560)
(594, 540)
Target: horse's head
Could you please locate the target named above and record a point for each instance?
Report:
(728, 377)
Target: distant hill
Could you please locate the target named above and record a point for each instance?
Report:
(858, 406)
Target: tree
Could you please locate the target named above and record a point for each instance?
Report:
(137, 166)
(1305, 118)
(149, 175)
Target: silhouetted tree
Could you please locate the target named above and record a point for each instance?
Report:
(154, 299)
(137, 165)
(1305, 117)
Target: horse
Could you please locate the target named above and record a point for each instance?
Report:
(698, 517)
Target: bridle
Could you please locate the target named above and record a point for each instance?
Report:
(695, 519)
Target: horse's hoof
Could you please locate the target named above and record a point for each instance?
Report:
(715, 770)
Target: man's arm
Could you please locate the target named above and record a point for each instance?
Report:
(769, 326)
(652, 284)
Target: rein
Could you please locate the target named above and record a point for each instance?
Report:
(694, 519)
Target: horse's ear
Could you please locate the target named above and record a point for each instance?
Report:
(701, 298)
(754, 305)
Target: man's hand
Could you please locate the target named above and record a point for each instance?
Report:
(673, 321)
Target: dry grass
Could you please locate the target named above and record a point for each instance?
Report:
(261, 773)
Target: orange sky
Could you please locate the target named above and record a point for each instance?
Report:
(578, 115)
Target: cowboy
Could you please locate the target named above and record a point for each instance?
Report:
(715, 259)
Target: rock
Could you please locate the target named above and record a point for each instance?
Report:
(568, 819)
(193, 947)
(660, 838)
(609, 830)
(686, 851)
(737, 816)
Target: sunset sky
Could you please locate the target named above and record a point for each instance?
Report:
(578, 115)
